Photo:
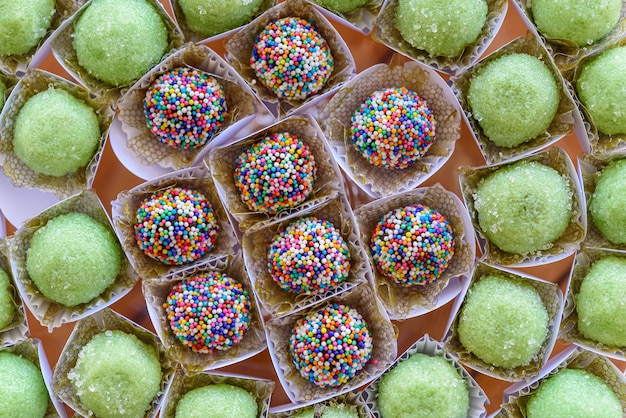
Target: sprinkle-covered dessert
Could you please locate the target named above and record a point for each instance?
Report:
(212, 17)
(23, 392)
(412, 245)
(185, 107)
(218, 400)
(315, 349)
(276, 173)
(7, 305)
(608, 202)
(291, 58)
(176, 226)
(342, 6)
(23, 23)
(329, 411)
(393, 128)
(208, 312)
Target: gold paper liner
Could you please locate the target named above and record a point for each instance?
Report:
(37, 81)
(17, 330)
(383, 332)
(471, 178)
(84, 331)
(52, 314)
(222, 162)
(335, 120)
(549, 293)
(239, 104)
(256, 243)
(363, 17)
(398, 300)
(351, 400)
(561, 124)
(125, 209)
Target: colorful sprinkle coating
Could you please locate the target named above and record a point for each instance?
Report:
(184, 108)
(291, 58)
(393, 128)
(276, 173)
(308, 256)
(331, 345)
(209, 312)
(176, 226)
(412, 245)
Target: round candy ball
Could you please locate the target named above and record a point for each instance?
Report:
(291, 58)
(212, 17)
(308, 256)
(315, 356)
(219, 400)
(342, 6)
(412, 245)
(7, 305)
(176, 226)
(23, 23)
(393, 128)
(185, 108)
(209, 312)
(275, 173)
(118, 41)
(329, 411)
(23, 392)
(608, 202)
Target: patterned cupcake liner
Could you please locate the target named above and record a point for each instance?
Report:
(17, 330)
(362, 19)
(351, 400)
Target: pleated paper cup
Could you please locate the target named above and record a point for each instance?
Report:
(349, 401)
(362, 18)
(17, 330)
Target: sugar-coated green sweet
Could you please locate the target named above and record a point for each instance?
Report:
(513, 98)
(55, 133)
(601, 88)
(3, 90)
(219, 400)
(212, 17)
(329, 411)
(23, 392)
(580, 21)
(423, 386)
(116, 375)
(573, 393)
(608, 202)
(523, 207)
(23, 23)
(7, 305)
(118, 41)
(73, 259)
(503, 322)
(342, 6)
(441, 27)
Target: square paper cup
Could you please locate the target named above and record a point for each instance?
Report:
(124, 210)
(52, 314)
(335, 120)
(253, 342)
(17, 330)
(383, 332)
(350, 401)
(85, 330)
(362, 18)
(433, 348)
(406, 302)
(556, 158)
(552, 299)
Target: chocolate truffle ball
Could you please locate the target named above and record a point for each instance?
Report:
(23, 392)
(609, 201)
(329, 411)
(342, 6)
(7, 305)
(212, 17)
(218, 400)
(23, 23)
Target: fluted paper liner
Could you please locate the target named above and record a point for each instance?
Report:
(427, 345)
(556, 158)
(335, 120)
(362, 18)
(257, 241)
(240, 104)
(85, 330)
(17, 330)
(405, 302)
(34, 82)
(552, 300)
(350, 400)
(561, 124)
(222, 162)
(124, 211)
(386, 33)
(383, 332)
(49, 313)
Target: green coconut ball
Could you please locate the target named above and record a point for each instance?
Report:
(23, 392)
(441, 27)
(212, 17)
(329, 411)
(608, 202)
(601, 87)
(342, 6)
(503, 322)
(73, 259)
(580, 21)
(219, 400)
(514, 99)
(523, 207)
(7, 305)
(3, 90)
(118, 41)
(23, 23)
(573, 393)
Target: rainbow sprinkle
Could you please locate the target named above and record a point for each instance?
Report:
(393, 128)
(331, 345)
(308, 256)
(208, 313)
(291, 58)
(412, 245)
(176, 226)
(276, 173)
(184, 108)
